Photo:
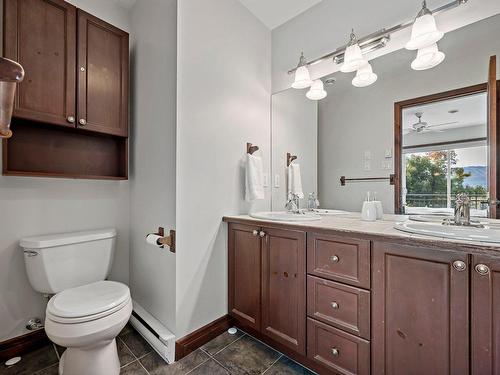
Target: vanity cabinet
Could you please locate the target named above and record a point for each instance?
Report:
(420, 310)
(485, 310)
(267, 282)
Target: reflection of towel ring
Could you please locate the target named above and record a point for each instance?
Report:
(290, 158)
(11, 73)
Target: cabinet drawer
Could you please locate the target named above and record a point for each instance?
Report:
(342, 306)
(340, 259)
(337, 350)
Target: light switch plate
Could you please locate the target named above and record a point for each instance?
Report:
(367, 165)
(266, 180)
(388, 153)
(367, 155)
(277, 181)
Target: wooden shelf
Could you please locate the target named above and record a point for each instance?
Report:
(44, 150)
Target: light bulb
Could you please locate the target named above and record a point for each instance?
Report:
(302, 77)
(353, 57)
(424, 31)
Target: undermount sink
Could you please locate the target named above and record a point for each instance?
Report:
(484, 234)
(285, 216)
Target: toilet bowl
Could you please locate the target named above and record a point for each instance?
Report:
(86, 321)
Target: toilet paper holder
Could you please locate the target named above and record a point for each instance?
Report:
(165, 240)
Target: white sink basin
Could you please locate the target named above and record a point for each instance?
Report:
(328, 212)
(285, 216)
(485, 234)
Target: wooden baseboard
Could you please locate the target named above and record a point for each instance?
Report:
(20, 345)
(201, 336)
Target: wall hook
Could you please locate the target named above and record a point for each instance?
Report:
(290, 158)
(251, 148)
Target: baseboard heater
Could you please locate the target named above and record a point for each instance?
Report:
(155, 333)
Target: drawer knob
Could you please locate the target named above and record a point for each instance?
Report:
(459, 265)
(71, 119)
(262, 234)
(334, 259)
(82, 122)
(482, 269)
(335, 305)
(255, 232)
(335, 352)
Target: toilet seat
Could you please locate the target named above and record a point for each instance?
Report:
(88, 302)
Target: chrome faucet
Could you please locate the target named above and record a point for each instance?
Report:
(462, 210)
(293, 203)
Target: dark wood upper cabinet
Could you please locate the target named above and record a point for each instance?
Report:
(244, 261)
(284, 287)
(41, 35)
(420, 311)
(485, 310)
(103, 69)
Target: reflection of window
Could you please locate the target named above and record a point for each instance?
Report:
(432, 176)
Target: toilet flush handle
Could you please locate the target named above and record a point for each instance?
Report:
(31, 253)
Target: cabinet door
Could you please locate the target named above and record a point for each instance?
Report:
(420, 310)
(103, 72)
(283, 287)
(244, 260)
(485, 308)
(41, 36)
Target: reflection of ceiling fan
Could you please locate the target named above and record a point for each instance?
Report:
(423, 127)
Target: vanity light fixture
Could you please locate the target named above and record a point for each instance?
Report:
(302, 77)
(317, 91)
(364, 76)
(427, 58)
(424, 31)
(353, 57)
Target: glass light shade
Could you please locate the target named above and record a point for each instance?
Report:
(316, 92)
(428, 58)
(353, 59)
(302, 78)
(424, 32)
(364, 77)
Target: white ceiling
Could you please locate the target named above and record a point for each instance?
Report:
(274, 13)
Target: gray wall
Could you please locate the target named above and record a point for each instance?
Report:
(223, 101)
(152, 185)
(33, 206)
(352, 120)
(294, 130)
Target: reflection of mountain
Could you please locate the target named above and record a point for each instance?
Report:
(478, 175)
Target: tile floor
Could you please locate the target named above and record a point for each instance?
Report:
(226, 354)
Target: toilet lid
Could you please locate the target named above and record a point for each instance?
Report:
(89, 300)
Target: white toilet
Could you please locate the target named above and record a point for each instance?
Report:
(87, 312)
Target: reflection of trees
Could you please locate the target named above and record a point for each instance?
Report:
(427, 174)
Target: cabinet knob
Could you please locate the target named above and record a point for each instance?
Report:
(459, 265)
(82, 122)
(482, 269)
(255, 232)
(334, 259)
(262, 234)
(335, 352)
(71, 119)
(82, 68)
(335, 305)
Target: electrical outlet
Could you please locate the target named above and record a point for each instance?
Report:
(367, 155)
(367, 165)
(388, 153)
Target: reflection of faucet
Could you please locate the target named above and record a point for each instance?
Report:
(292, 204)
(462, 210)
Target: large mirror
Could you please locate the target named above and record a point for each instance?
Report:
(413, 138)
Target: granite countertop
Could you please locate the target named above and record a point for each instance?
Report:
(351, 223)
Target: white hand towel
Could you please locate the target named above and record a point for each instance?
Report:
(294, 180)
(254, 179)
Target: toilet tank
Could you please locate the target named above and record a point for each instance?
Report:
(61, 261)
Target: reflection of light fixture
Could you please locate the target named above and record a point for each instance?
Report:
(364, 76)
(353, 57)
(435, 174)
(427, 58)
(316, 92)
(10, 74)
(424, 31)
(302, 77)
